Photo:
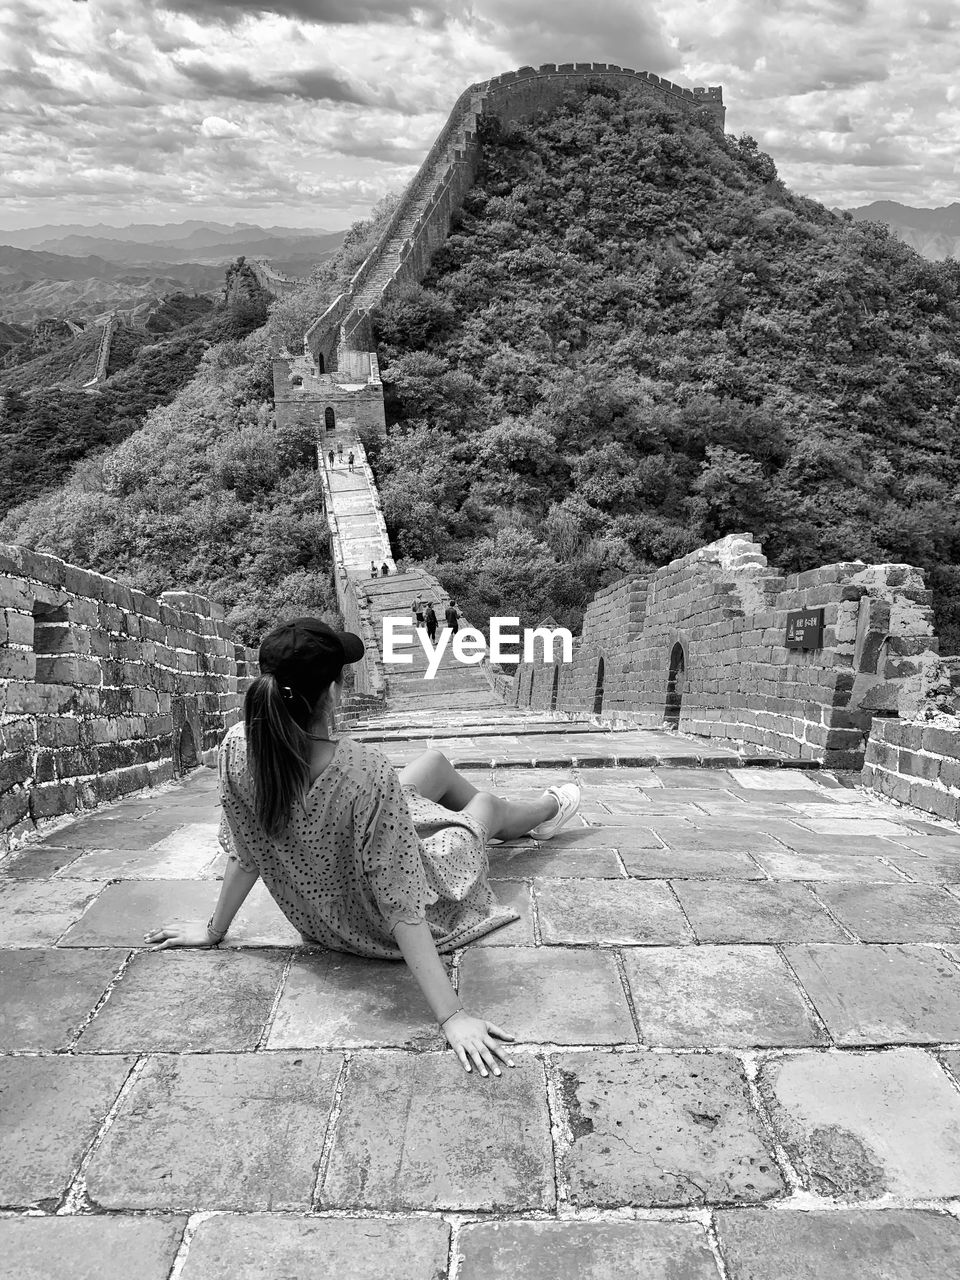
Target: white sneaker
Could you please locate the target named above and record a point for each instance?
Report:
(567, 796)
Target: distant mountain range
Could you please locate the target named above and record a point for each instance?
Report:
(933, 232)
(79, 272)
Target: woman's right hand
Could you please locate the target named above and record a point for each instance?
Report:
(475, 1038)
(181, 933)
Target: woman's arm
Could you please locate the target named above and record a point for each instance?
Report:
(237, 883)
(469, 1037)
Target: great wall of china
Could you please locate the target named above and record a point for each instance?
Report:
(105, 690)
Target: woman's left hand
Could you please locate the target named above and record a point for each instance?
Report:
(182, 933)
(476, 1039)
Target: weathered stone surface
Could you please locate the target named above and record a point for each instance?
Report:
(334, 1000)
(114, 830)
(713, 837)
(514, 894)
(694, 997)
(187, 1001)
(885, 1244)
(50, 1112)
(255, 1246)
(927, 868)
(660, 1129)
(89, 1248)
(894, 912)
(556, 862)
(858, 1126)
(217, 1131)
(852, 841)
(188, 853)
(586, 1251)
(36, 862)
(548, 995)
(787, 865)
(755, 912)
(415, 1132)
(45, 995)
(35, 913)
(628, 911)
(696, 864)
(881, 994)
(125, 912)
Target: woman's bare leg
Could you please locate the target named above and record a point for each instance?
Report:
(508, 819)
(435, 777)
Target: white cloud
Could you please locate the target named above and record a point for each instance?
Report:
(217, 127)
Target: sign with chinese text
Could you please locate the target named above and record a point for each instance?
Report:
(805, 629)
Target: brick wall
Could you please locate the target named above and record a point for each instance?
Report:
(701, 644)
(103, 690)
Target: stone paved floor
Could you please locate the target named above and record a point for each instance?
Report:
(736, 992)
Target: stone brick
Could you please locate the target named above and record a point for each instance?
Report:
(609, 911)
(89, 1248)
(187, 1001)
(881, 994)
(175, 1140)
(45, 995)
(882, 1244)
(695, 997)
(252, 1246)
(663, 1130)
(36, 914)
(585, 1251)
(755, 912)
(335, 1000)
(548, 994)
(51, 1108)
(894, 912)
(412, 1133)
(843, 1120)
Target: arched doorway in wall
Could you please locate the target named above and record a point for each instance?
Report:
(675, 686)
(555, 689)
(320, 366)
(598, 690)
(329, 419)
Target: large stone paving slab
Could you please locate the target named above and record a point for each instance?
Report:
(699, 997)
(187, 1002)
(881, 994)
(714, 836)
(36, 912)
(45, 995)
(217, 1131)
(36, 862)
(556, 862)
(548, 995)
(88, 1248)
(928, 868)
(801, 840)
(755, 911)
(894, 912)
(631, 911)
(787, 865)
(189, 853)
(862, 1125)
(656, 1129)
(125, 912)
(262, 1247)
(885, 1244)
(333, 1000)
(416, 1132)
(586, 1251)
(696, 864)
(514, 894)
(50, 1111)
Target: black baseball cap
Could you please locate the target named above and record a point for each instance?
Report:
(307, 654)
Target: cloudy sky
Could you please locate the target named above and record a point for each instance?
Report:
(304, 112)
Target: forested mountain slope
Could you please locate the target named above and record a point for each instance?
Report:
(637, 340)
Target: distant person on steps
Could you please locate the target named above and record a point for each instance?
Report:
(358, 857)
(373, 569)
(451, 617)
(384, 569)
(430, 619)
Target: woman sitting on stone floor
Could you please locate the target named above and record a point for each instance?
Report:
(358, 857)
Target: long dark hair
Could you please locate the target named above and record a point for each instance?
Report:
(276, 718)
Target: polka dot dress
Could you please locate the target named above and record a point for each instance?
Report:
(362, 854)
